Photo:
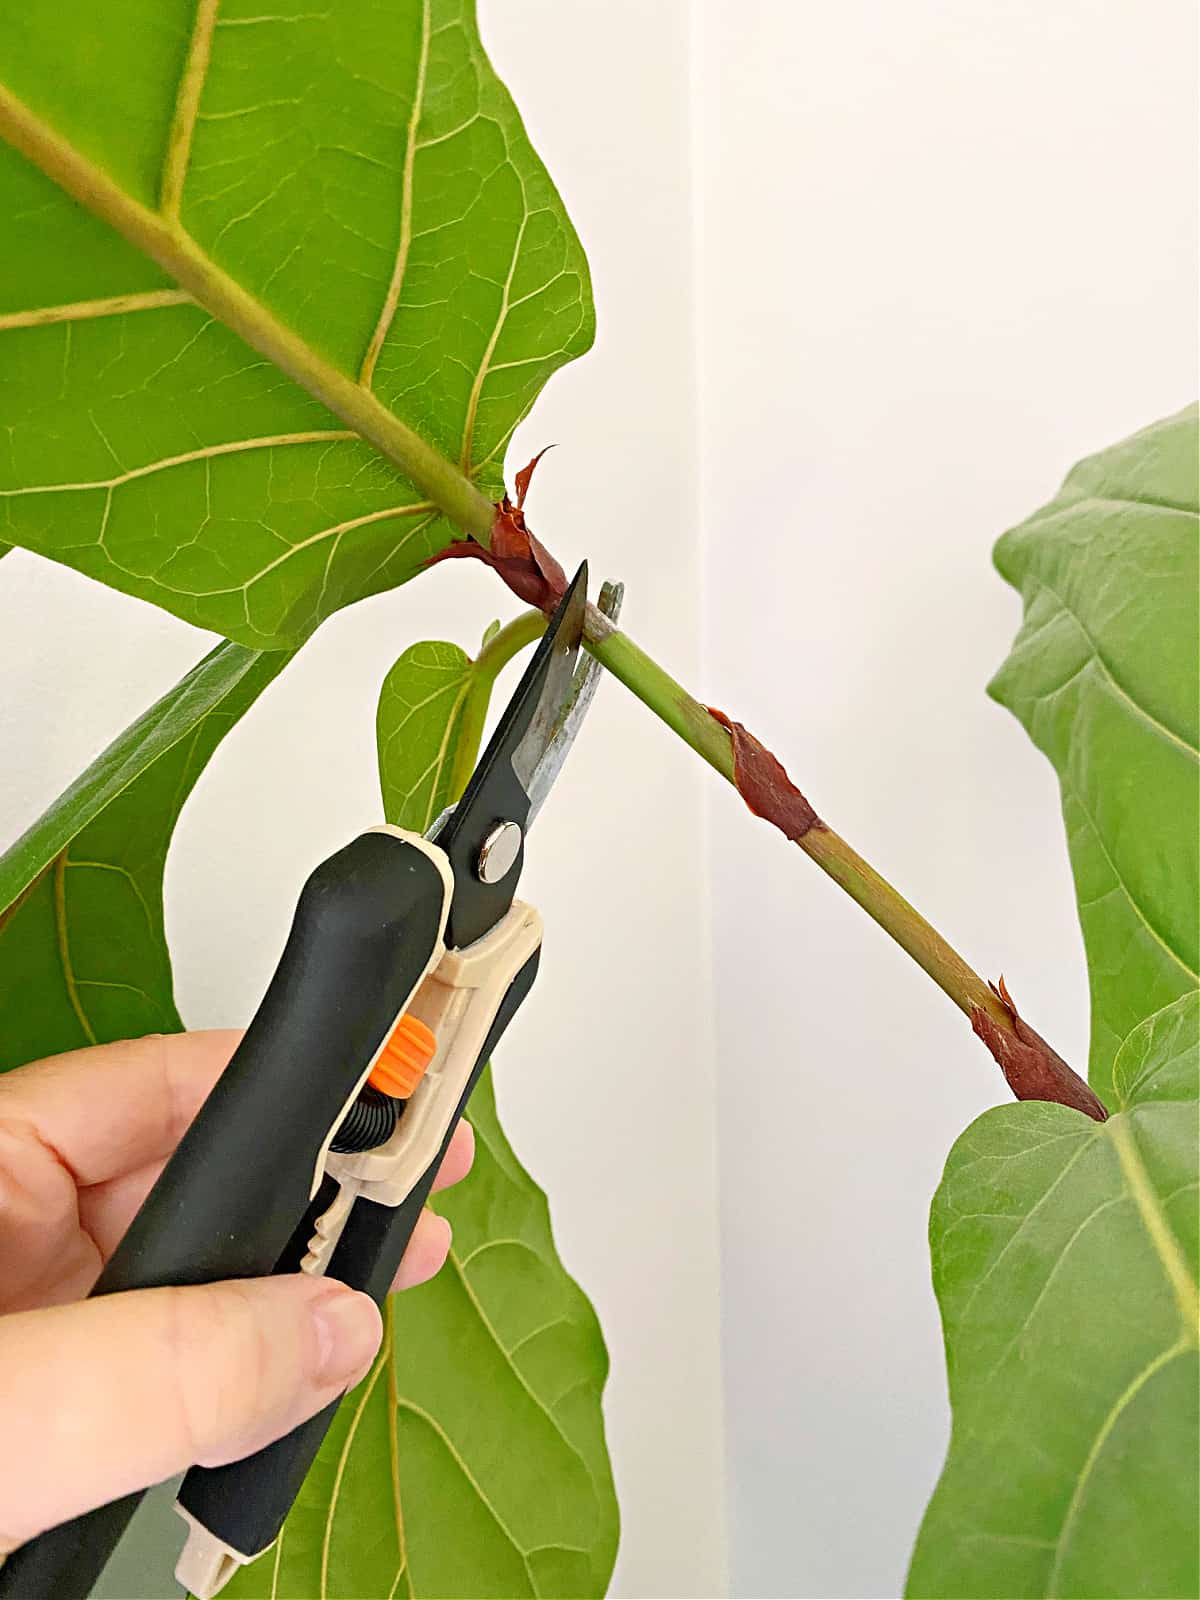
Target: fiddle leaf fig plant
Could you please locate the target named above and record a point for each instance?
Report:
(414, 258)
(1103, 677)
(280, 287)
(1064, 1251)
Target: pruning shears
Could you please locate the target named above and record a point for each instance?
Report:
(316, 1151)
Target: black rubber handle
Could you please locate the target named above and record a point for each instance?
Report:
(365, 929)
(245, 1503)
(236, 1191)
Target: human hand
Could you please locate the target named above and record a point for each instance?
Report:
(102, 1397)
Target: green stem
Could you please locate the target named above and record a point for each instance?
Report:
(686, 716)
(488, 664)
(904, 923)
(655, 687)
(165, 241)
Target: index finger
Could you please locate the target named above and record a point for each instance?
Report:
(111, 1109)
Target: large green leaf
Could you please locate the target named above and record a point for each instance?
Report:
(1065, 1251)
(355, 178)
(1065, 1259)
(81, 922)
(471, 1461)
(1103, 675)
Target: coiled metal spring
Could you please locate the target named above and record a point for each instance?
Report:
(369, 1123)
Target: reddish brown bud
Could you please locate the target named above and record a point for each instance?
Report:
(1033, 1070)
(764, 785)
(521, 559)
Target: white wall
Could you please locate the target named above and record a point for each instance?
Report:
(606, 1085)
(942, 249)
(945, 248)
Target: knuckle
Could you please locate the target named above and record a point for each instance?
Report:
(188, 1319)
(243, 1384)
(218, 1365)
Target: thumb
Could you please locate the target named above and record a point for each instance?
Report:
(112, 1394)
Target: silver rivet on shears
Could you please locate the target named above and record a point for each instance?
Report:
(499, 852)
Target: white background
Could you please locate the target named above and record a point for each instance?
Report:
(946, 247)
(869, 277)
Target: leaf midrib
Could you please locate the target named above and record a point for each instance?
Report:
(62, 936)
(130, 771)
(1139, 1189)
(168, 244)
(1162, 1236)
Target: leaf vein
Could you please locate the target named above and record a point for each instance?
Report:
(64, 947)
(1159, 939)
(404, 1404)
(187, 104)
(468, 439)
(112, 305)
(1086, 1144)
(399, 266)
(516, 1371)
(207, 452)
(1102, 1436)
(343, 1458)
(1139, 710)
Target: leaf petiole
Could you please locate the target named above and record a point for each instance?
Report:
(1033, 1069)
(498, 650)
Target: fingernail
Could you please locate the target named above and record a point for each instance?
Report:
(348, 1332)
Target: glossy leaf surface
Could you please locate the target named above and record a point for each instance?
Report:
(83, 956)
(358, 175)
(1103, 676)
(1065, 1252)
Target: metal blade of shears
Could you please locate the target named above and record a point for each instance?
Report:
(484, 835)
(573, 710)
